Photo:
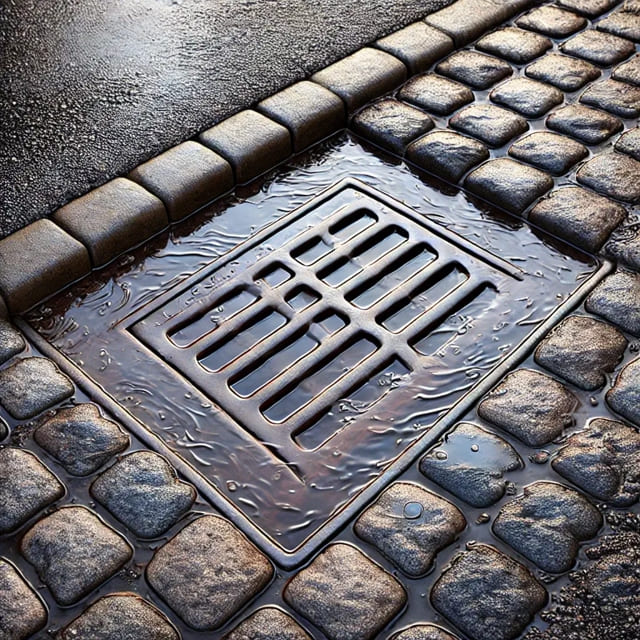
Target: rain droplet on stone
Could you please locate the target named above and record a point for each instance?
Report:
(412, 510)
(483, 518)
(475, 447)
(231, 485)
(441, 455)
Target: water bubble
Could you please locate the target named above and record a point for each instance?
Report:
(594, 401)
(540, 457)
(441, 455)
(475, 448)
(231, 485)
(412, 510)
(483, 518)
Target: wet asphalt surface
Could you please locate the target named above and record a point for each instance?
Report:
(91, 89)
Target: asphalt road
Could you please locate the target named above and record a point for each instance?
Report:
(89, 89)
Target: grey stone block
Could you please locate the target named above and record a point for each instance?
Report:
(617, 299)
(120, 616)
(508, 184)
(37, 261)
(447, 154)
(624, 21)
(531, 406)
(207, 572)
(629, 143)
(391, 124)
(409, 525)
(487, 594)
(603, 460)
(528, 97)
(11, 341)
(591, 8)
(552, 21)
(516, 45)
(363, 76)
(582, 350)
(619, 98)
(417, 45)
(32, 385)
(308, 110)
(579, 216)
(568, 74)
(142, 490)
(549, 151)
(26, 487)
(252, 143)
(614, 175)
(588, 125)
(80, 439)
(600, 48)
(424, 632)
(475, 69)
(493, 125)
(345, 594)
(23, 613)
(74, 552)
(628, 71)
(113, 219)
(185, 178)
(268, 623)
(624, 396)
(471, 463)
(436, 94)
(547, 523)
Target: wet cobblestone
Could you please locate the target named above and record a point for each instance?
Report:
(436, 94)
(23, 613)
(515, 45)
(584, 123)
(477, 70)
(552, 21)
(548, 151)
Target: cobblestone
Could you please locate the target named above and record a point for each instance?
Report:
(508, 184)
(628, 71)
(207, 572)
(600, 48)
(531, 406)
(73, 552)
(475, 69)
(142, 490)
(568, 74)
(579, 216)
(26, 487)
(591, 8)
(588, 125)
(516, 45)
(120, 616)
(548, 151)
(614, 175)
(493, 125)
(487, 594)
(552, 21)
(80, 439)
(603, 460)
(528, 97)
(23, 613)
(436, 94)
(619, 98)
(392, 124)
(629, 143)
(624, 21)
(424, 632)
(617, 299)
(409, 525)
(11, 341)
(471, 464)
(624, 396)
(582, 350)
(268, 623)
(32, 385)
(345, 595)
(547, 523)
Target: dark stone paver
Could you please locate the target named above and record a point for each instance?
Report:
(409, 525)
(471, 463)
(531, 406)
(26, 487)
(38, 260)
(447, 154)
(603, 460)
(552, 21)
(424, 632)
(628, 71)
(493, 125)
(515, 45)
(548, 151)
(185, 178)
(624, 21)
(268, 623)
(624, 396)
(508, 184)
(624, 245)
(619, 98)
(568, 74)
(475, 69)
(73, 552)
(617, 299)
(436, 94)
(392, 124)
(614, 175)
(591, 8)
(363, 76)
(547, 523)
(600, 48)
(308, 110)
(252, 143)
(11, 341)
(629, 143)
(120, 616)
(22, 611)
(32, 385)
(80, 439)
(588, 125)
(418, 45)
(582, 350)
(207, 572)
(345, 595)
(487, 594)
(528, 97)
(579, 216)
(112, 219)
(142, 490)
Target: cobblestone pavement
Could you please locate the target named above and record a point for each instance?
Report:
(512, 514)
